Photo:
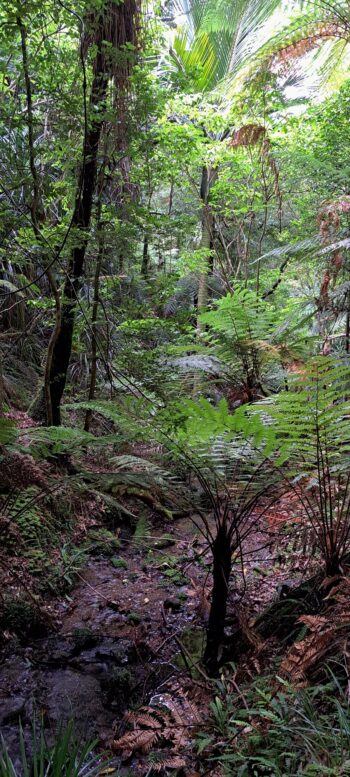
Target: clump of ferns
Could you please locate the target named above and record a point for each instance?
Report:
(325, 498)
(312, 430)
(22, 487)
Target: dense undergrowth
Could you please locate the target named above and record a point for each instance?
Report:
(281, 731)
(174, 388)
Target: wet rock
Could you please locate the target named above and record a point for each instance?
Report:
(69, 694)
(57, 650)
(12, 710)
(121, 651)
(84, 638)
(173, 604)
(17, 680)
(107, 652)
(117, 683)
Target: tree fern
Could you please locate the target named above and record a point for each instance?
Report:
(311, 424)
(247, 339)
(313, 25)
(314, 414)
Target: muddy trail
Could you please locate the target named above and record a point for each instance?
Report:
(133, 625)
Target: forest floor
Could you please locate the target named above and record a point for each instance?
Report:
(132, 629)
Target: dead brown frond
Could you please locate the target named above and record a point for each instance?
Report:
(296, 49)
(141, 718)
(325, 637)
(169, 722)
(19, 471)
(174, 762)
(138, 740)
(249, 135)
(304, 655)
(249, 634)
(328, 219)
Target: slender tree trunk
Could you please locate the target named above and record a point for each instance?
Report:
(100, 256)
(202, 298)
(145, 258)
(115, 33)
(2, 388)
(38, 218)
(208, 178)
(217, 615)
(80, 229)
(347, 324)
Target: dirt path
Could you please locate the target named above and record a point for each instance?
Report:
(133, 623)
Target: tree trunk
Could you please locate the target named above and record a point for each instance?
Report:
(38, 219)
(203, 279)
(145, 259)
(2, 388)
(100, 256)
(80, 228)
(208, 178)
(217, 615)
(115, 32)
(347, 324)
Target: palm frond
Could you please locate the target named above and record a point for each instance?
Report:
(311, 246)
(231, 31)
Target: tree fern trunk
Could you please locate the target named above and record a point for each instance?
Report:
(202, 299)
(217, 615)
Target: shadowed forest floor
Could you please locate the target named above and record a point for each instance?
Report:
(131, 630)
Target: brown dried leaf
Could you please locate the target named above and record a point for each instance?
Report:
(330, 580)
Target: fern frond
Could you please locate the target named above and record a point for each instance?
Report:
(311, 246)
(144, 719)
(8, 431)
(133, 741)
